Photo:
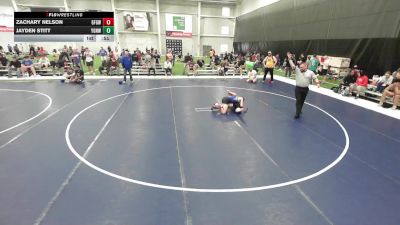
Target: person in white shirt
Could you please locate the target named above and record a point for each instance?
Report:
(304, 76)
(168, 67)
(43, 62)
(252, 77)
(89, 60)
(384, 81)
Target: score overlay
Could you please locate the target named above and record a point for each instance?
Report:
(63, 26)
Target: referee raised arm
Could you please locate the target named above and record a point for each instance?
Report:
(304, 76)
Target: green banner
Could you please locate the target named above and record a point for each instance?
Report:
(179, 22)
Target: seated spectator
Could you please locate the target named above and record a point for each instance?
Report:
(188, 58)
(392, 90)
(3, 60)
(348, 80)
(384, 81)
(239, 65)
(200, 63)
(224, 67)
(15, 65)
(43, 62)
(76, 75)
(361, 84)
(168, 67)
(252, 77)
(27, 66)
(190, 67)
(105, 65)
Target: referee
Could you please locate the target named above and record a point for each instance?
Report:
(304, 76)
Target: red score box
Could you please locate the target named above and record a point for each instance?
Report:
(108, 21)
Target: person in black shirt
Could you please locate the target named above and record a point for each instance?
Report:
(3, 59)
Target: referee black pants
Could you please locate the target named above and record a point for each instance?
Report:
(301, 94)
(271, 72)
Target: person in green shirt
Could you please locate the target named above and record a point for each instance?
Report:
(314, 64)
(249, 64)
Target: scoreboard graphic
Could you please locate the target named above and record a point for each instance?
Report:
(63, 26)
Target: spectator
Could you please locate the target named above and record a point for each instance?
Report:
(224, 67)
(269, 64)
(15, 65)
(3, 60)
(302, 58)
(350, 79)
(361, 84)
(239, 66)
(42, 52)
(89, 60)
(9, 48)
(314, 64)
(76, 57)
(27, 66)
(384, 81)
(78, 75)
(392, 90)
(168, 67)
(83, 55)
(157, 57)
(252, 77)
(278, 61)
(43, 62)
(105, 65)
(16, 49)
(288, 68)
(126, 62)
(103, 54)
(200, 63)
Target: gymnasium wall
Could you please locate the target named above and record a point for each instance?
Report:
(210, 27)
(367, 31)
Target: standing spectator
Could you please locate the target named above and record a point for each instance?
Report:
(288, 67)
(16, 49)
(278, 61)
(304, 77)
(89, 60)
(109, 48)
(269, 64)
(76, 57)
(384, 81)
(302, 59)
(103, 54)
(314, 64)
(83, 55)
(157, 57)
(126, 62)
(361, 84)
(9, 48)
(3, 59)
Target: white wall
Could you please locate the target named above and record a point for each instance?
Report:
(249, 6)
(133, 40)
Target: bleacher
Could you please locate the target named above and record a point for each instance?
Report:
(210, 71)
